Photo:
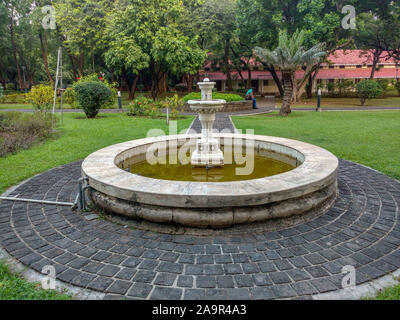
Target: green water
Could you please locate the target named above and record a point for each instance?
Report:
(263, 167)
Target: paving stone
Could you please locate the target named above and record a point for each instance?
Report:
(100, 283)
(298, 274)
(233, 269)
(279, 277)
(323, 285)
(165, 279)
(225, 282)
(108, 271)
(283, 291)
(244, 281)
(126, 274)
(170, 267)
(213, 270)
(206, 282)
(162, 293)
(195, 294)
(262, 293)
(144, 276)
(216, 294)
(140, 290)
(185, 281)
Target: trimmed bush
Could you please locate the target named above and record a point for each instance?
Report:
(94, 77)
(368, 89)
(41, 97)
(229, 97)
(92, 96)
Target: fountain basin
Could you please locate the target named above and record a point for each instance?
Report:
(311, 185)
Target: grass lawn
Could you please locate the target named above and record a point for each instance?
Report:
(79, 137)
(346, 102)
(371, 138)
(14, 287)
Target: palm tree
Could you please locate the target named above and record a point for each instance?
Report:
(289, 56)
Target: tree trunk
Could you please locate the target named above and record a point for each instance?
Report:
(190, 83)
(287, 93)
(81, 62)
(227, 65)
(43, 46)
(310, 87)
(248, 78)
(131, 87)
(278, 81)
(154, 80)
(14, 50)
(376, 56)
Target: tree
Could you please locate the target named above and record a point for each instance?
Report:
(289, 56)
(147, 34)
(368, 89)
(81, 25)
(320, 19)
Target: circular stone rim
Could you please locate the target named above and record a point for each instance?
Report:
(319, 169)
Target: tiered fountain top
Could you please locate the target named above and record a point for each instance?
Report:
(212, 105)
(207, 151)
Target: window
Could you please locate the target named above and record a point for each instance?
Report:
(342, 67)
(331, 67)
(359, 66)
(265, 83)
(319, 81)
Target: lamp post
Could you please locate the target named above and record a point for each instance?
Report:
(119, 100)
(319, 101)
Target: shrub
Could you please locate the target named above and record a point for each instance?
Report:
(384, 84)
(14, 98)
(21, 131)
(94, 77)
(92, 96)
(174, 104)
(69, 97)
(345, 86)
(229, 97)
(368, 89)
(144, 107)
(1, 93)
(41, 97)
(397, 86)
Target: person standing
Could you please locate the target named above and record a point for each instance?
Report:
(250, 96)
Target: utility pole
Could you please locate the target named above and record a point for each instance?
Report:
(59, 75)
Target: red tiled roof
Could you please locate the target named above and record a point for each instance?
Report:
(340, 57)
(357, 57)
(359, 73)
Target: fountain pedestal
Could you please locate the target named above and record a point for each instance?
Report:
(208, 152)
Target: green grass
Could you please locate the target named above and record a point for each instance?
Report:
(79, 137)
(15, 106)
(346, 102)
(14, 287)
(367, 137)
(391, 293)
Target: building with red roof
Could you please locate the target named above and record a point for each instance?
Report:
(354, 65)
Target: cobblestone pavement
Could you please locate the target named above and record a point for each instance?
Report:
(362, 229)
(222, 122)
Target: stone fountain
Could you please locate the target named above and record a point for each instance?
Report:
(208, 152)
